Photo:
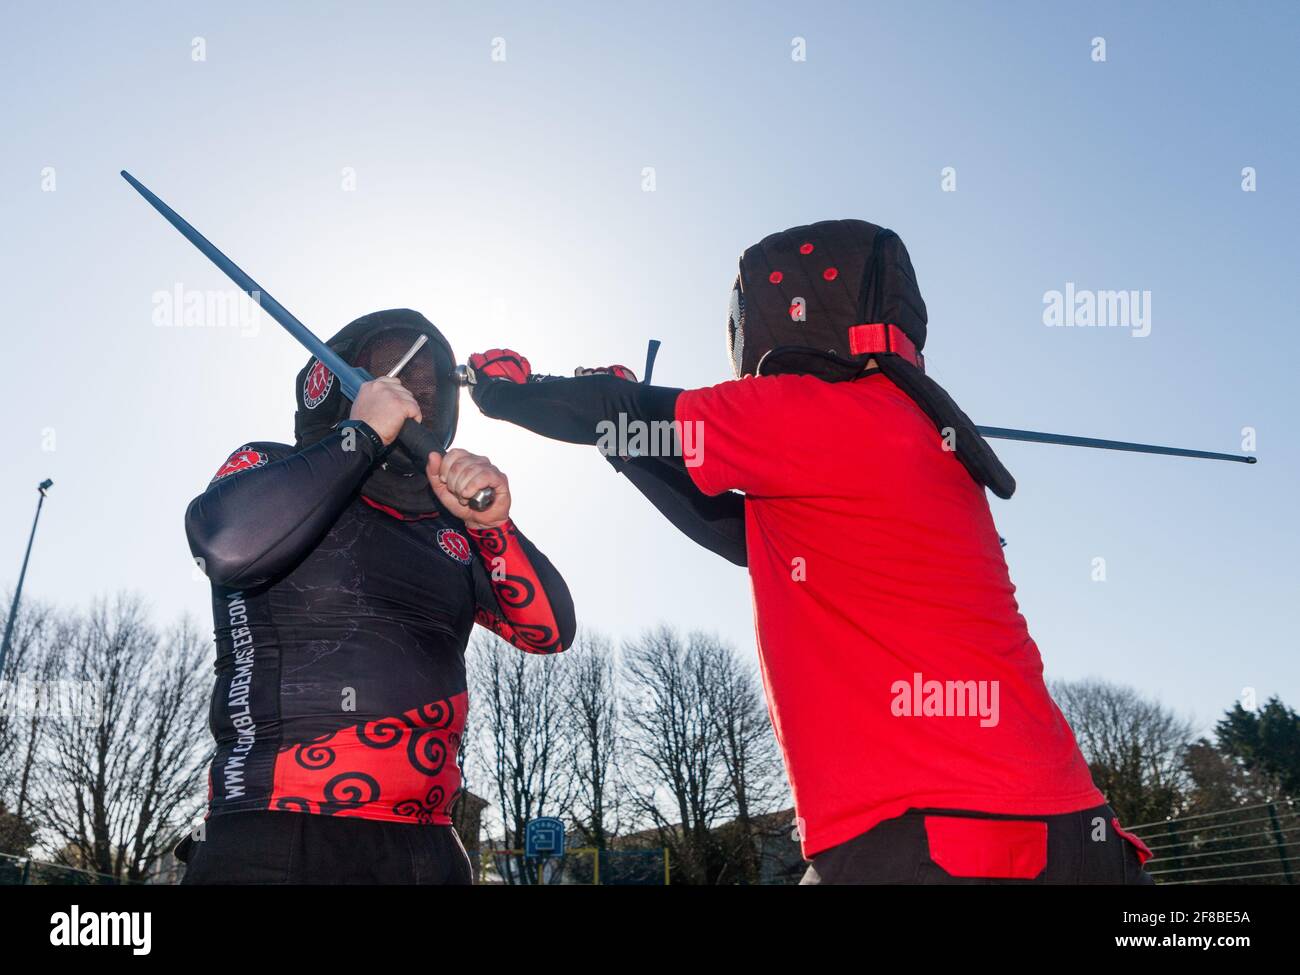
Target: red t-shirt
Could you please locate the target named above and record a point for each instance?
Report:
(899, 671)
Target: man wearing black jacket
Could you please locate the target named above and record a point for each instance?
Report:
(345, 584)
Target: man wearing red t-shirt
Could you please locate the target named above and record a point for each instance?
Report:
(904, 688)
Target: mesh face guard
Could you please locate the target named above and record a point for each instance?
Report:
(376, 343)
(736, 329)
(420, 375)
(429, 380)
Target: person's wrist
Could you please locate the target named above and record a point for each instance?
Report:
(477, 527)
(363, 433)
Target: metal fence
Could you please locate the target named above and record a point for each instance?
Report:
(16, 870)
(583, 865)
(1255, 844)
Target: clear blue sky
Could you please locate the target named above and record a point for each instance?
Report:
(505, 200)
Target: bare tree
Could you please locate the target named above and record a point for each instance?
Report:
(593, 728)
(1136, 749)
(749, 758)
(30, 666)
(122, 773)
(519, 706)
(674, 746)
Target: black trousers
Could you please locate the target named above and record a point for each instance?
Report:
(952, 846)
(298, 848)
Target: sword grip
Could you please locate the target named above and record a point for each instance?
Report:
(419, 442)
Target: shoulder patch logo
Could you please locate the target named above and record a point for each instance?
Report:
(454, 544)
(243, 459)
(316, 387)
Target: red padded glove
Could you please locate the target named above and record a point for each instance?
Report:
(501, 364)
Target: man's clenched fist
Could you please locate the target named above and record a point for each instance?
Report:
(385, 404)
(458, 475)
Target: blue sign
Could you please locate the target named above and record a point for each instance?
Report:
(544, 837)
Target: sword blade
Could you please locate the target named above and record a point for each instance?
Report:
(410, 354)
(1065, 439)
(1032, 436)
(350, 378)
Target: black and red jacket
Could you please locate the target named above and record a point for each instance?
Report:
(341, 628)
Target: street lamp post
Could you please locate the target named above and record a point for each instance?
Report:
(41, 488)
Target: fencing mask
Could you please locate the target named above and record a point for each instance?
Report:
(824, 299)
(376, 343)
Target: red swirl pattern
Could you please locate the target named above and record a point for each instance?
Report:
(529, 620)
(399, 769)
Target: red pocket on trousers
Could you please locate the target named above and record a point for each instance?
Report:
(1014, 849)
(1143, 851)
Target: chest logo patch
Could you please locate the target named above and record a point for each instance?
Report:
(317, 385)
(454, 544)
(243, 459)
